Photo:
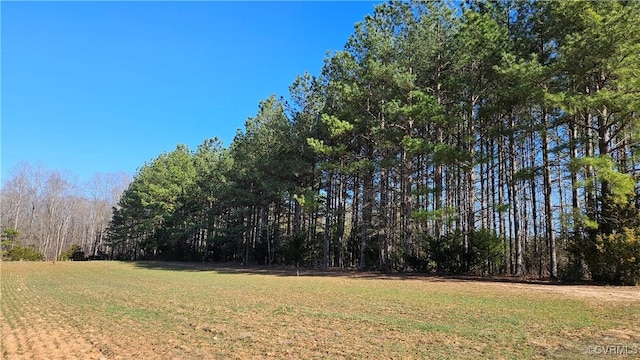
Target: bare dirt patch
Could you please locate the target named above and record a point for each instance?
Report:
(599, 294)
(594, 293)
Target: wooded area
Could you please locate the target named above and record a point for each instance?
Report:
(45, 212)
(490, 138)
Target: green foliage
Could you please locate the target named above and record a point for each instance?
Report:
(74, 253)
(431, 115)
(10, 236)
(611, 256)
(502, 208)
(297, 250)
(615, 258)
(153, 203)
(27, 253)
(310, 200)
(486, 251)
(13, 250)
(9, 240)
(446, 254)
(446, 214)
(622, 186)
(336, 126)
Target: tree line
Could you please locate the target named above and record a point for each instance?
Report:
(44, 212)
(484, 137)
(494, 137)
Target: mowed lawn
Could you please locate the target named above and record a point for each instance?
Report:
(117, 310)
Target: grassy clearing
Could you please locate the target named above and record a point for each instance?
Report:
(119, 310)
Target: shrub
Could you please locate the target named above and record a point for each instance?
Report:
(447, 253)
(486, 251)
(615, 258)
(418, 263)
(13, 250)
(610, 243)
(28, 253)
(75, 253)
(9, 239)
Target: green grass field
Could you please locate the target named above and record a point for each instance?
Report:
(115, 310)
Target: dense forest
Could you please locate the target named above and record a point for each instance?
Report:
(485, 137)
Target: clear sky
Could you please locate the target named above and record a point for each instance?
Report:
(106, 86)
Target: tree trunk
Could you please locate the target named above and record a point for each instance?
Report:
(367, 211)
(407, 201)
(327, 222)
(553, 264)
(519, 270)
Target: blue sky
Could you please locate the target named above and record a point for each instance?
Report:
(106, 86)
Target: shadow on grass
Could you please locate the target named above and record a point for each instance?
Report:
(291, 271)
